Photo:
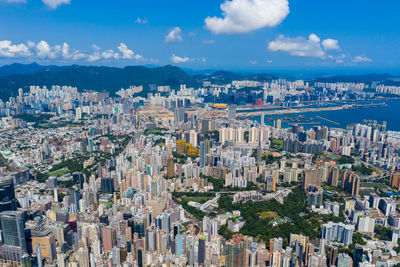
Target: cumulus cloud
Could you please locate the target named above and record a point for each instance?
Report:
(253, 62)
(298, 46)
(53, 4)
(74, 54)
(175, 59)
(7, 49)
(330, 44)
(141, 21)
(126, 52)
(43, 51)
(362, 59)
(243, 16)
(305, 47)
(174, 35)
(110, 54)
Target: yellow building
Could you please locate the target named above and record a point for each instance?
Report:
(47, 245)
(395, 180)
(180, 146)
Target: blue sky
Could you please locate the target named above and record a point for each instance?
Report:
(271, 35)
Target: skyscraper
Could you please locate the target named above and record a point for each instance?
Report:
(202, 251)
(7, 195)
(338, 232)
(270, 185)
(170, 168)
(235, 251)
(13, 233)
(202, 154)
(232, 112)
(108, 237)
(180, 245)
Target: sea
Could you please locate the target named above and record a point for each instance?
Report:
(340, 118)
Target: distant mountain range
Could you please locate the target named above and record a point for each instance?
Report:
(106, 79)
(112, 79)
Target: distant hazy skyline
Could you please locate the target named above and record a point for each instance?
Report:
(312, 35)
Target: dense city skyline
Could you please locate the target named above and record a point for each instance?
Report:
(311, 36)
(229, 133)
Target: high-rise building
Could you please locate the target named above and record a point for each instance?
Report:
(7, 195)
(258, 154)
(108, 237)
(315, 195)
(235, 251)
(179, 115)
(83, 257)
(366, 224)
(202, 154)
(180, 146)
(107, 185)
(344, 260)
(232, 112)
(387, 206)
(270, 185)
(312, 176)
(170, 168)
(78, 179)
(180, 245)
(44, 238)
(278, 123)
(338, 232)
(262, 119)
(333, 179)
(351, 182)
(275, 244)
(13, 235)
(358, 255)
(333, 255)
(39, 258)
(202, 251)
(395, 180)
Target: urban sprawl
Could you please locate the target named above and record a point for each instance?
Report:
(163, 176)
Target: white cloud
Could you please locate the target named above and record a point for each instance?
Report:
(175, 59)
(340, 59)
(313, 37)
(242, 16)
(110, 54)
(253, 62)
(53, 4)
(362, 59)
(330, 44)
(208, 42)
(44, 51)
(30, 44)
(13, 1)
(269, 61)
(141, 21)
(74, 55)
(175, 35)
(7, 49)
(298, 46)
(126, 52)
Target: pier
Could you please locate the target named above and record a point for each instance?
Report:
(325, 119)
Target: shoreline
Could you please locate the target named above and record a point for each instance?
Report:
(305, 110)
